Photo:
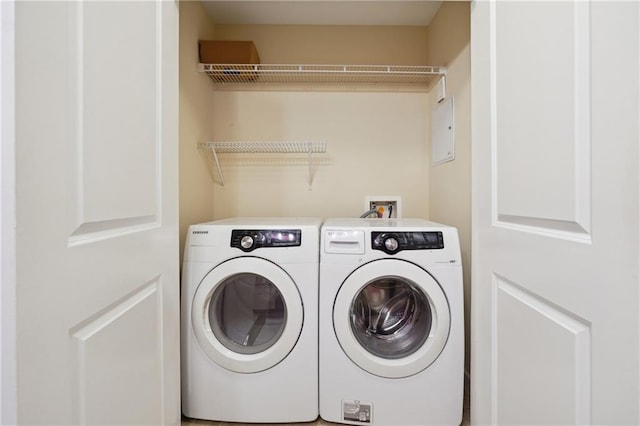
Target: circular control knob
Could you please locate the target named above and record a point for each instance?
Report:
(246, 242)
(391, 244)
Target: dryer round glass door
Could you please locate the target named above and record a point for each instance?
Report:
(247, 314)
(391, 318)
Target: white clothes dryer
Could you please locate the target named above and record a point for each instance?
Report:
(391, 323)
(250, 320)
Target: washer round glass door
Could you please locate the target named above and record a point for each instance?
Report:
(391, 318)
(247, 314)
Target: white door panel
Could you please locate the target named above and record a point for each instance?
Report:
(97, 241)
(555, 216)
(546, 346)
(114, 78)
(118, 146)
(98, 366)
(542, 102)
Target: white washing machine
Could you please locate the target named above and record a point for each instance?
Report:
(250, 320)
(391, 323)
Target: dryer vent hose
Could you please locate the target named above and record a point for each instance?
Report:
(370, 212)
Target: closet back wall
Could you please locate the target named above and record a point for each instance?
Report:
(376, 145)
(376, 141)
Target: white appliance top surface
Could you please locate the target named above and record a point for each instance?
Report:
(252, 222)
(410, 223)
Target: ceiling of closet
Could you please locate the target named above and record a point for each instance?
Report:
(322, 12)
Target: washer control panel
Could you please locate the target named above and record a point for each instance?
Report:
(394, 242)
(251, 239)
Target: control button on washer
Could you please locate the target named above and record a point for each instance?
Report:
(391, 244)
(246, 242)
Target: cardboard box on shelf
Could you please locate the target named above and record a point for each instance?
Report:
(228, 52)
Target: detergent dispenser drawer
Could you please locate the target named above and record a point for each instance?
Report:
(344, 242)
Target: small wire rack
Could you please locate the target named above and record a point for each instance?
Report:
(420, 77)
(266, 147)
(280, 147)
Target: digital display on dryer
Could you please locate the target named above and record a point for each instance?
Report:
(251, 239)
(429, 240)
(414, 240)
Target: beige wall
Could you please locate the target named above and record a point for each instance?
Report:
(317, 44)
(196, 106)
(376, 145)
(376, 142)
(450, 183)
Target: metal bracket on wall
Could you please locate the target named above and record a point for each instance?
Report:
(441, 88)
(282, 147)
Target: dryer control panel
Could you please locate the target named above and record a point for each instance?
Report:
(251, 239)
(393, 242)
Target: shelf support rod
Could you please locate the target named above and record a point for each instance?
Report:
(309, 151)
(215, 158)
(442, 88)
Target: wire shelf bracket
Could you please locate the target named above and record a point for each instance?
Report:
(281, 147)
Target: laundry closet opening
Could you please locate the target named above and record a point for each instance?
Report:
(378, 139)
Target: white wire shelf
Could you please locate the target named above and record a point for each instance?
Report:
(279, 147)
(252, 75)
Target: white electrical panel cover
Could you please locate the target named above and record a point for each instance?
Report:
(442, 132)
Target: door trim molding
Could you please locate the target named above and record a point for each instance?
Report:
(8, 377)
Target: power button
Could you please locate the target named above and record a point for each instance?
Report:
(391, 244)
(246, 242)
